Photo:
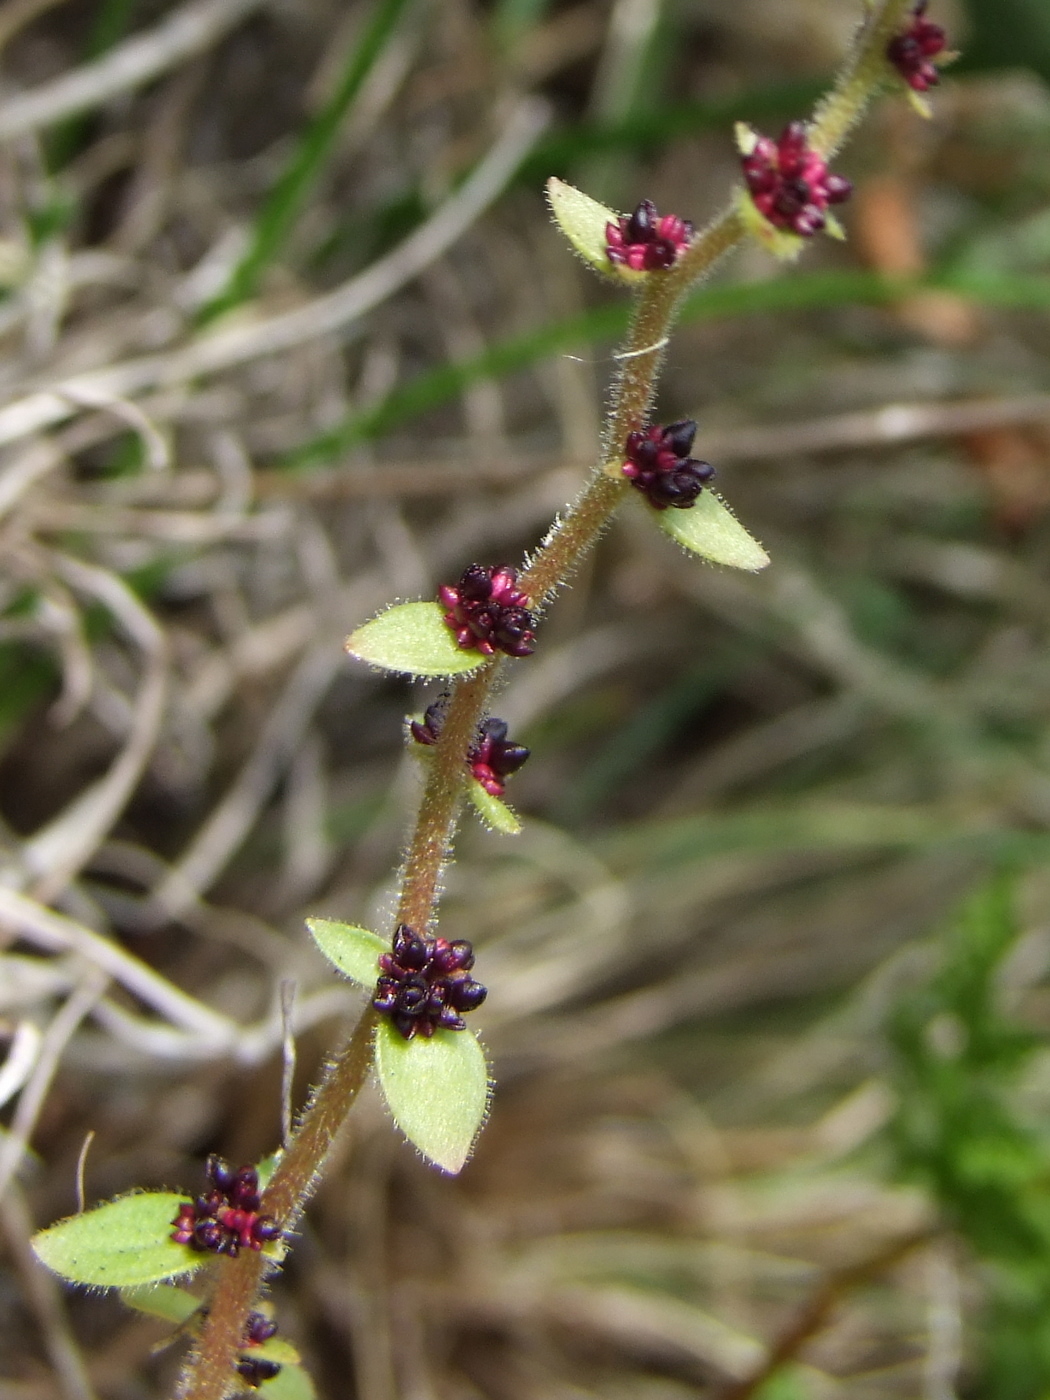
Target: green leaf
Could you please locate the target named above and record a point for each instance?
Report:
(267, 1167)
(125, 1242)
(412, 638)
(162, 1300)
(583, 220)
(290, 1383)
(711, 529)
(436, 1088)
(276, 1349)
(492, 811)
(354, 951)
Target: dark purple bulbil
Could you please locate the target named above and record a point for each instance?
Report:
(646, 241)
(659, 465)
(790, 184)
(259, 1329)
(425, 983)
(910, 51)
(226, 1219)
(256, 1370)
(428, 729)
(488, 612)
(492, 758)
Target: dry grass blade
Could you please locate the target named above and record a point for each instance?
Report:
(185, 33)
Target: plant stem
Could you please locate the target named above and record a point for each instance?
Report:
(210, 1374)
(210, 1371)
(439, 806)
(863, 77)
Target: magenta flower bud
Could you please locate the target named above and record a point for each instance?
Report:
(658, 464)
(219, 1174)
(465, 994)
(428, 730)
(409, 949)
(227, 1219)
(790, 184)
(488, 612)
(259, 1329)
(265, 1230)
(209, 1235)
(422, 998)
(245, 1189)
(457, 956)
(645, 241)
(493, 758)
(911, 50)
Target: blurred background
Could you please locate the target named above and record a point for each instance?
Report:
(286, 333)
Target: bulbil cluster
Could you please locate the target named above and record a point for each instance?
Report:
(659, 465)
(226, 1218)
(256, 1370)
(492, 758)
(646, 241)
(425, 984)
(910, 52)
(488, 612)
(790, 184)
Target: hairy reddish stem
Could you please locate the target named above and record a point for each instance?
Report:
(210, 1372)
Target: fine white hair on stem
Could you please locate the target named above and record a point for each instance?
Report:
(645, 350)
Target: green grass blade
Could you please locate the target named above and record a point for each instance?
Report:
(111, 23)
(288, 196)
(647, 128)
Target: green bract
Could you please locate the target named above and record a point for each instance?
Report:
(492, 811)
(354, 951)
(583, 221)
(276, 1349)
(161, 1300)
(122, 1243)
(710, 529)
(413, 638)
(437, 1088)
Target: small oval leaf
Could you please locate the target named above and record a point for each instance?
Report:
(122, 1243)
(354, 951)
(493, 811)
(710, 528)
(583, 220)
(413, 638)
(162, 1300)
(276, 1349)
(267, 1167)
(436, 1088)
